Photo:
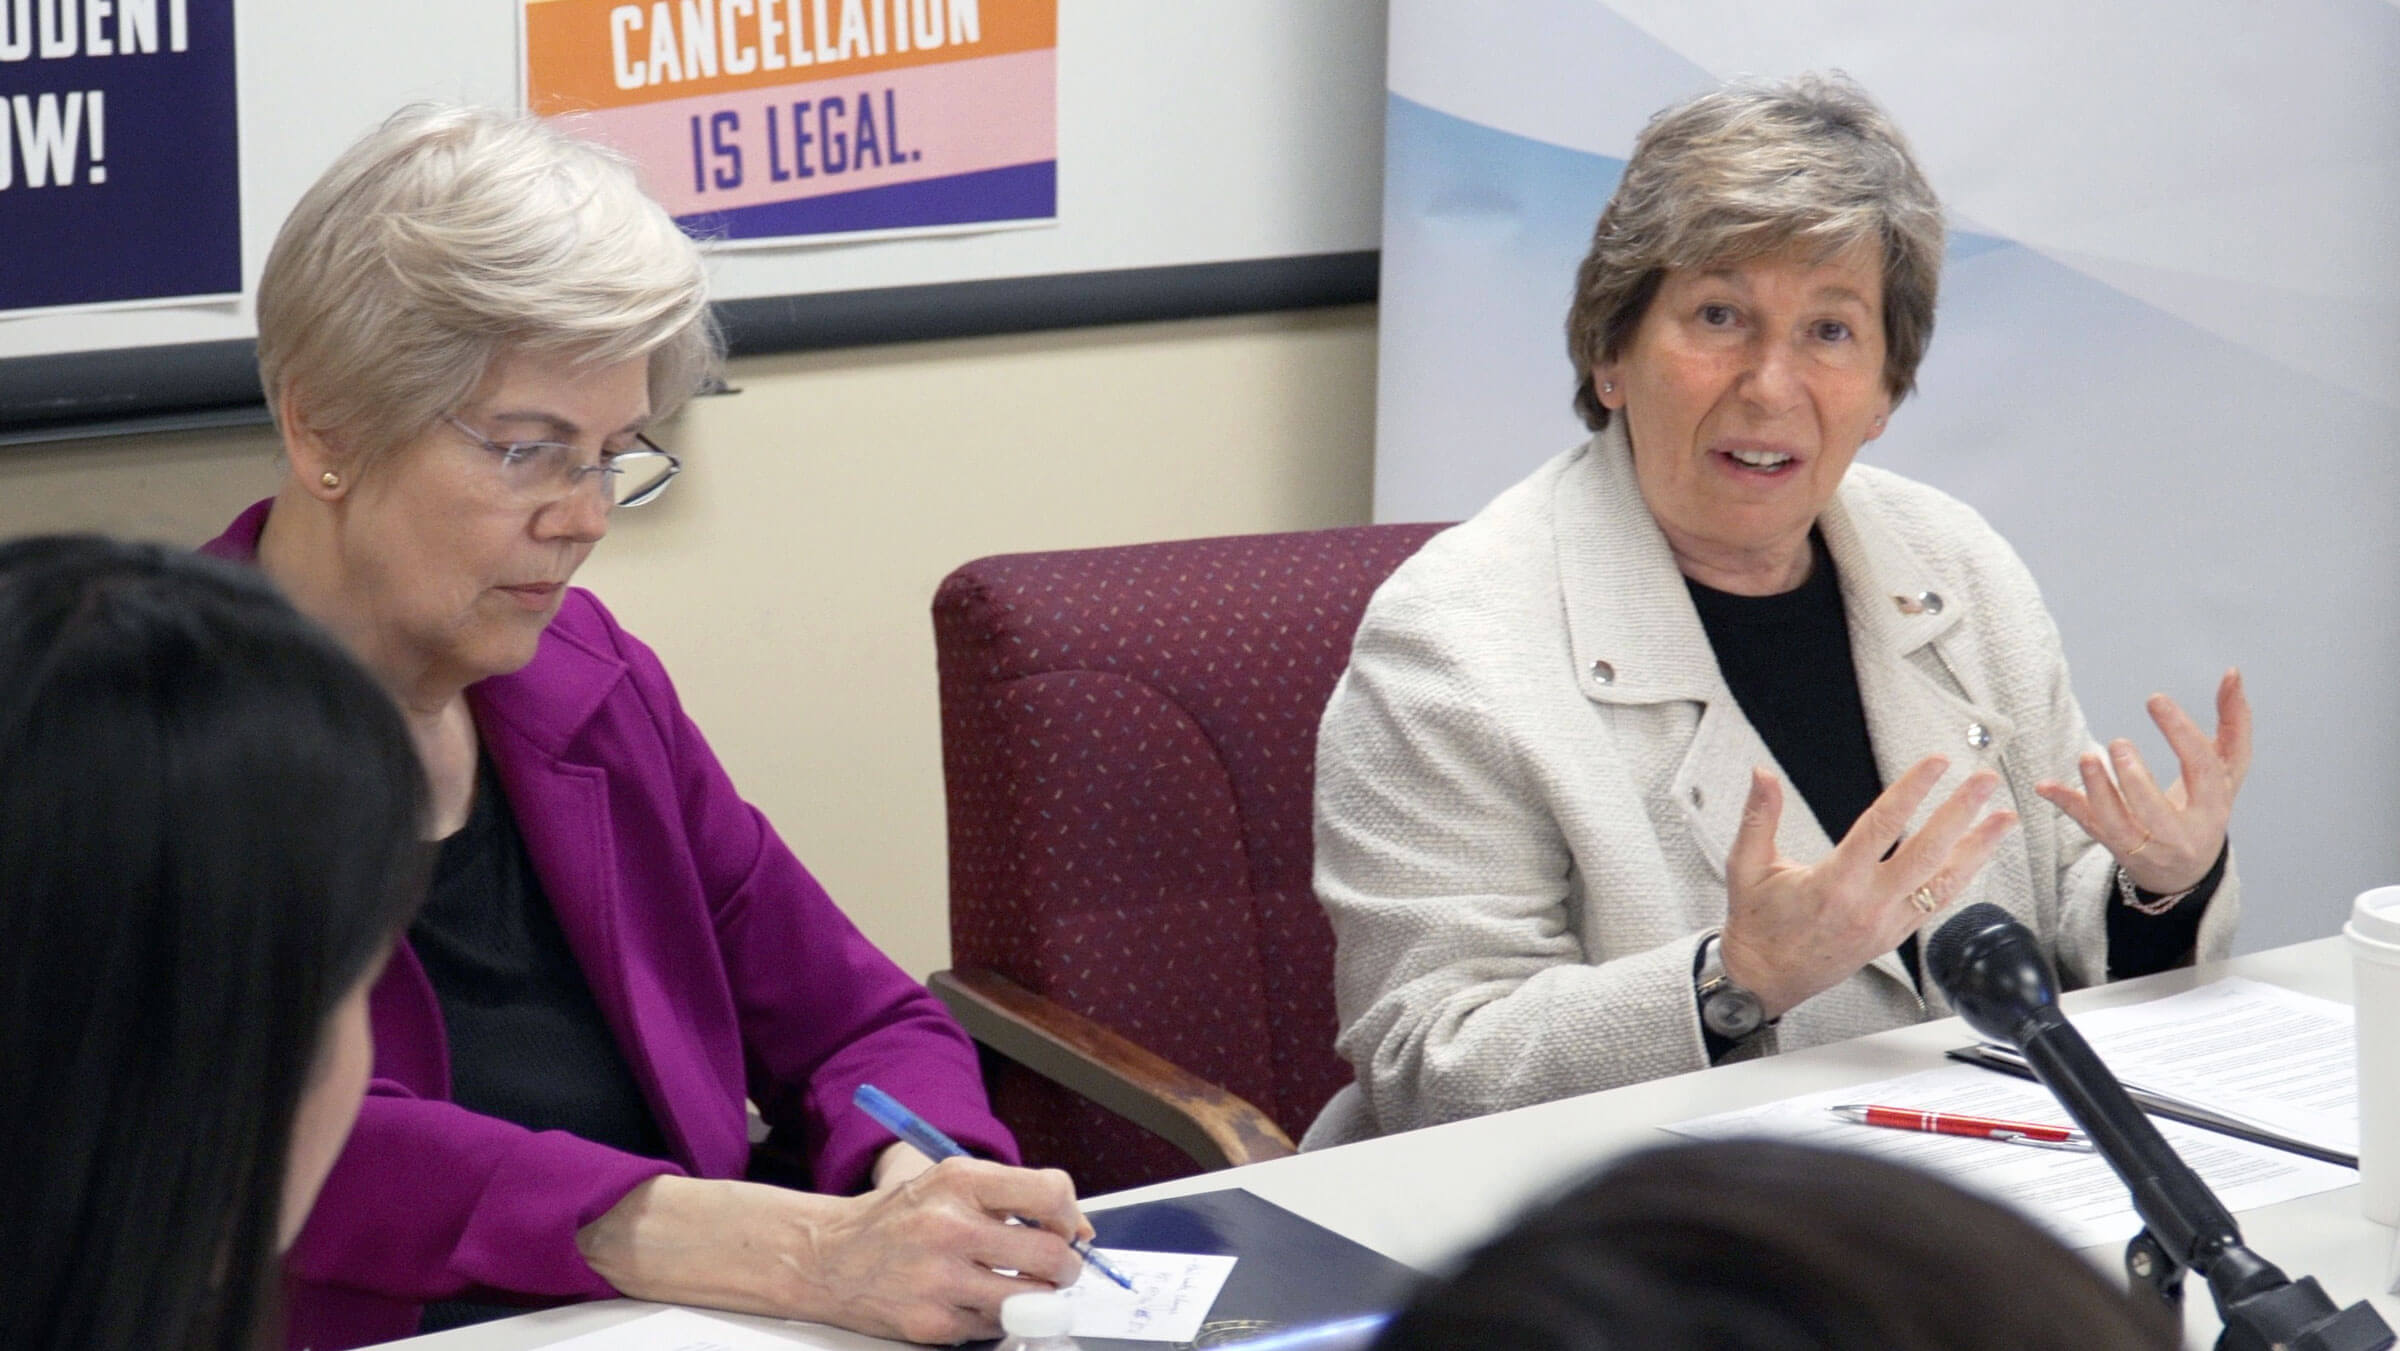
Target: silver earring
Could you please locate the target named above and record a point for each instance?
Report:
(1608, 386)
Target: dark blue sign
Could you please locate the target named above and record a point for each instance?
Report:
(120, 171)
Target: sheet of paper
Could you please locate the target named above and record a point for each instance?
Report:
(1171, 1294)
(2073, 1194)
(685, 1330)
(2281, 1058)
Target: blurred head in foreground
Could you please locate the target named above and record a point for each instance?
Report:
(1755, 1245)
(208, 825)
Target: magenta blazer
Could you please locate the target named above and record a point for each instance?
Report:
(721, 965)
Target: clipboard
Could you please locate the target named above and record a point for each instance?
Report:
(1290, 1271)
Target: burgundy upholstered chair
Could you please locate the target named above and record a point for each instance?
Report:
(1129, 738)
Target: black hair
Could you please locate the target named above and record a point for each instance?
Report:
(209, 834)
(1756, 1245)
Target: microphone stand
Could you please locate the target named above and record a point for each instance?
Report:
(2185, 1226)
(1994, 972)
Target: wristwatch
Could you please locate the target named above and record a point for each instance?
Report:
(1725, 1008)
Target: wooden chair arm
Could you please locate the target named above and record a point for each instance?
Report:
(1216, 1128)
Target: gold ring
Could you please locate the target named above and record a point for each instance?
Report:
(2137, 849)
(1924, 899)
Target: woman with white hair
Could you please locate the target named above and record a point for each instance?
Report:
(465, 329)
(1552, 830)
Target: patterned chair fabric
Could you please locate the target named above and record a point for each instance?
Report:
(1129, 739)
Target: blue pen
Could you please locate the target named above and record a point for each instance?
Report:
(930, 1142)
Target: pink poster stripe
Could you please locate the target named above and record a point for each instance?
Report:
(894, 126)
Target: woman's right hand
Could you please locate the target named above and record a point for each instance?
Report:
(1795, 930)
(920, 1260)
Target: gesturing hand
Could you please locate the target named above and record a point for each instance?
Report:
(1793, 930)
(2165, 841)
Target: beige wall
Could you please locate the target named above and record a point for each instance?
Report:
(785, 580)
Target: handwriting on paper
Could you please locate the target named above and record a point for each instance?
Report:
(1171, 1294)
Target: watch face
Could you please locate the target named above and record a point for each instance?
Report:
(1732, 1012)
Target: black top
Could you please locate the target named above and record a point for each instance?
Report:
(1787, 660)
(527, 1040)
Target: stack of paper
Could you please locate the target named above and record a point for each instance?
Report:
(2243, 1048)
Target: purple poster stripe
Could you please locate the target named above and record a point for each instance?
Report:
(120, 174)
(1018, 192)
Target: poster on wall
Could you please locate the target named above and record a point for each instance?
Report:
(781, 121)
(120, 162)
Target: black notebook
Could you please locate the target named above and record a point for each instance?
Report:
(1290, 1270)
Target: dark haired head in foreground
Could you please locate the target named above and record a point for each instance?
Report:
(1760, 1246)
(208, 825)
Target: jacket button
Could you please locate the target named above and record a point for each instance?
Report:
(1603, 672)
(1696, 796)
(1978, 735)
(1930, 602)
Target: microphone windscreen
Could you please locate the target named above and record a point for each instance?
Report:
(1993, 969)
(1946, 951)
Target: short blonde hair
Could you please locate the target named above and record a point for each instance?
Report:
(451, 235)
(1752, 169)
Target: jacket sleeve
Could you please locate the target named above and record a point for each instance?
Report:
(822, 1010)
(430, 1201)
(1463, 985)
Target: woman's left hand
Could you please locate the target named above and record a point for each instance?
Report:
(2165, 840)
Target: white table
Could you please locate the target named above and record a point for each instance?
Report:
(1422, 1196)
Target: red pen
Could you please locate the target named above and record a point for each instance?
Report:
(1977, 1127)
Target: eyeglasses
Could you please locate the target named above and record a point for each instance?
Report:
(543, 472)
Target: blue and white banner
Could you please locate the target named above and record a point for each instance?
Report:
(120, 174)
(2167, 363)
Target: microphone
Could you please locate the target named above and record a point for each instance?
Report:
(1993, 970)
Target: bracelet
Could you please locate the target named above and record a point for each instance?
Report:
(2132, 896)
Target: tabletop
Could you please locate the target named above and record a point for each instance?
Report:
(1467, 1179)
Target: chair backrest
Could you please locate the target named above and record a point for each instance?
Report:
(1129, 739)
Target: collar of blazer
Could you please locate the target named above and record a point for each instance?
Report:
(551, 699)
(1627, 608)
(1635, 636)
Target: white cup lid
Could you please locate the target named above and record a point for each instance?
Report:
(1037, 1313)
(2376, 915)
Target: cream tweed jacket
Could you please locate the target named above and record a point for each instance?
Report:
(1530, 775)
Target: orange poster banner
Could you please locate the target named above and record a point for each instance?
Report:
(582, 55)
(767, 121)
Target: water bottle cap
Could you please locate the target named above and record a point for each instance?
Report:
(1037, 1313)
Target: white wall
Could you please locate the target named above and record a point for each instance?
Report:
(786, 580)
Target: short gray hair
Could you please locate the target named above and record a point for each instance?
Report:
(1752, 169)
(450, 236)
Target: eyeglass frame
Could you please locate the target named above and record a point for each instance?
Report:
(508, 451)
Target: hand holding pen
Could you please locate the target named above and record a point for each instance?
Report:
(929, 1141)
